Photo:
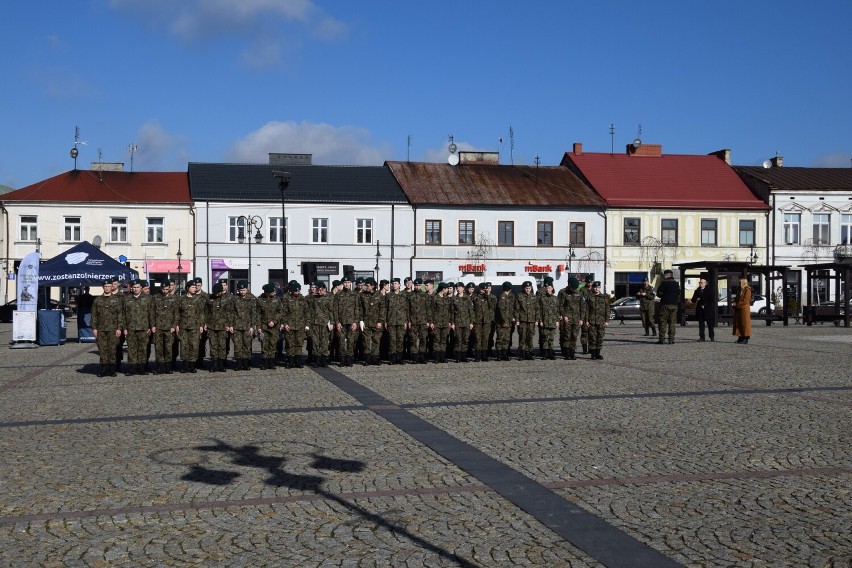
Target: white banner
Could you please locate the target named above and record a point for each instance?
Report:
(28, 283)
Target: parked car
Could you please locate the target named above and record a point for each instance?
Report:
(625, 308)
(9, 307)
(760, 305)
(829, 304)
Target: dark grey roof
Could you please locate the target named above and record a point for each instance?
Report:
(791, 179)
(311, 184)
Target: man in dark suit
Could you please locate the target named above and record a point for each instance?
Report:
(704, 299)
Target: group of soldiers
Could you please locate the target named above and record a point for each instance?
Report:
(412, 320)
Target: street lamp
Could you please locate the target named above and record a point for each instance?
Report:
(283, 182)
(571, 255)
(752, 258)
(256, 223)
(378, 256)
(179, 266)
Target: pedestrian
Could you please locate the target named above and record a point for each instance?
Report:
(704, 299)
(742, 312)
(270, 313)
(669, 293)
(164, 319)
(526, 313)
(646, 297)
(107, 316)
(137, 329)
(245, 325)
(596, 317)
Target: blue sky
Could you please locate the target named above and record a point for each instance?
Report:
(350, 81)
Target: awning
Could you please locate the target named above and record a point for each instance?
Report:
(168, 266)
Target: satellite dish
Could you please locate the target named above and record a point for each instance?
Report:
(637, 143)
(452, 148)
(97, 241)
(767, 164)
(453, 160)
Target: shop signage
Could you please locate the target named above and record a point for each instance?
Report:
(538, 268)
(472, 267)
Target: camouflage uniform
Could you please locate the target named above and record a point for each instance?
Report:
(220, 318)
(549, 310)
(571, 311)
(442, 317)
(646, 307)
(504, 316)
(483, 319)
(245, 326)
(296, 320)
(321, 318)
(372, 314)
(462, 322)
(107, 320)
(191, 321)
(347, 313)
(527, 316)
(585, 292)
(421, 317)
(596, 318)
(137, 325)
(396, 320)
(164, 318)
(269, 315)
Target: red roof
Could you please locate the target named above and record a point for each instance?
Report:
(663, 181)
(107, 187)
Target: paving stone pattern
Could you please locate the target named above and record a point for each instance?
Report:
(694, 454)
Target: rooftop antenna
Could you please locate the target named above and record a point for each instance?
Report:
(537, 164)
(511, 145)
(611, 139)
(77, 142)
(499, 148)
(638, 140)
(132, 148)
(453, 159)
(407, 159)
(100, 164)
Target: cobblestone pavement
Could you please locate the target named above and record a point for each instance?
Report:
(693, 454)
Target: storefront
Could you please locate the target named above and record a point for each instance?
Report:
(177, 270)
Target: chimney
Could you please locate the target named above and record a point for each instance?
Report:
(479, 158)
(724, 154)
(777, 161)
(280, 159)
(578, 148)
(655, 150)
(107, 166)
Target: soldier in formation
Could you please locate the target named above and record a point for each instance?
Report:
(137, 328)
(244, 325)
(596, 318)
(107, 327)
(220, 323)
(270, 314)
(164, 321)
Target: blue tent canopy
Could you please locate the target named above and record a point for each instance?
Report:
(82, 265)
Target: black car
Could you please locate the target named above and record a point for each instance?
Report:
(9, 307)
(625, 308)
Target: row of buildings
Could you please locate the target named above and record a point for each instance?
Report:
(620, 216)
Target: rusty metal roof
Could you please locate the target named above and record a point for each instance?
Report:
(492, 185)
(791, 179)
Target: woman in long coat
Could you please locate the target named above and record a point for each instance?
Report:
(742, 312)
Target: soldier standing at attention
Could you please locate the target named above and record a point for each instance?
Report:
(347, 314)
(191, 324)
(107, 316)
(164, 318)
(421, 317)
(585, 292)
(442, 317)
(462, 322)
(202, 296)
(137, 326)
(527, 316)
(373, 315)
(483, 318)
(321, 323)
(549, 322)
(119, 294)
(245, 321)
(646, 306)
(396, 321)
(563, 328)
(503, 321)
(269, 316)
(571, 310)
(669, 293)
(596, 318)
(334, 346)
(220, 322)
(296, 324)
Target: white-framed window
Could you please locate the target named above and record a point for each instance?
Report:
(118, 229)
(363, 231)
(236, 225)
(467, 232)
(29, 228)
(822, 229)
(276, 234)
(792, 227)
(319, 230)
(505, 233)
(154, 227)
(632, 231)
(544, 233)
(747, 230)
(709, 232)
(668, 231)
(846, 229)
(577, 234)
(433, 231)
(73, 228)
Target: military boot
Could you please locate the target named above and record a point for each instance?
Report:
(653, 330)
(572, 355)
(585, 348)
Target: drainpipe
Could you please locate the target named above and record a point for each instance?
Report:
(194, 221)
(414, 245)
(393, 238)
(6, 255)
(602, 213)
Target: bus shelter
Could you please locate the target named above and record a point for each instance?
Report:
(839, 275)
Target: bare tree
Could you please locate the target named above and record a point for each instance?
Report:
(654, 253)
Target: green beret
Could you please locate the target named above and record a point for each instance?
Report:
(527, 283)
(138, 281)
(407, 279)
(269, 287)
(507, 285)
(548, 280)
(334, 283)
(359, 280)
(383, 282)
(482, 286)
(167, 282)
(217, 288)
(321, 285)
(471, 285)
(114, 279)
(242, 284)
(418, 281)
(107, 281)
(459, 284)
(198, 280)
(573, 283)
(442, 286)
(589, 277)
(294, 285)
(395, 279)
(451, 284)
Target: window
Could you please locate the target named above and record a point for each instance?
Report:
(72, 229)
(29, 228)
(792, 221)
(668, 231)
(708, 232)
(154, 230)
(822, 228)
(275, 232)
(433, 232)
(577, 234)
(466, 233)
(846, 229)
(118, 229)
(236, 227)
(544, 233)
(631, 231)
(505, 233)
(319, 230)
(363, 231)
(747, 228)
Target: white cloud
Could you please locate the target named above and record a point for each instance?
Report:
(836, 160)
(60, 83)
(158, 150)
(338, 145)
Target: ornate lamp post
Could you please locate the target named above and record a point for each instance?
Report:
(571, 255)
(179, 266)
(283, 183)
(256, 223)
(378, 256)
